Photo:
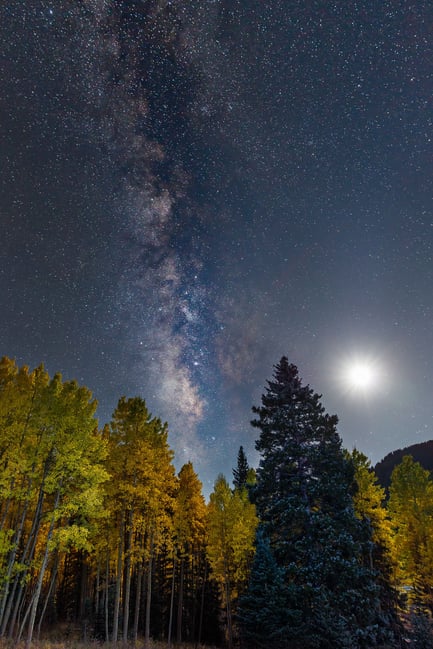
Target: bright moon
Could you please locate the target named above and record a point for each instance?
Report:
(361, 376)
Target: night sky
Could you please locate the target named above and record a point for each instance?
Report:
(191, 189)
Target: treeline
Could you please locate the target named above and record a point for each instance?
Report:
(97, 529)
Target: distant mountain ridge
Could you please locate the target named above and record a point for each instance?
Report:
(422, 453)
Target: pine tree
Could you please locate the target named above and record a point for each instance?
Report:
(263, 617)
(240, 474)
(304, 500)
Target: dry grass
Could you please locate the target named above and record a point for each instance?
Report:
(69, 636)
(77, 644)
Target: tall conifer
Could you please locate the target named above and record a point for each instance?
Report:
(240, 473)
(304, 501)
(263, 617)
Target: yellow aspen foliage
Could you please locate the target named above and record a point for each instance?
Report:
(369, 501)
(232, 524)
(411, 510)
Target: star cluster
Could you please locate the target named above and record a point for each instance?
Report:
(190, 190)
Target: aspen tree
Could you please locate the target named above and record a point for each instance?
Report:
(189, 527)
(50, 440)
(232, 524)
(140, 498)
(410, 507)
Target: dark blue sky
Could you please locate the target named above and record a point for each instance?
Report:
(190, 190)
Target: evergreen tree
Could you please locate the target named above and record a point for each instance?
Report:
(420, 630)
(304, 500)
(240, 474)
(263, 617)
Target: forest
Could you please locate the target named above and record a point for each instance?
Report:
(101, 539)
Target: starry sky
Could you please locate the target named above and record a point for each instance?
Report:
(190, 189)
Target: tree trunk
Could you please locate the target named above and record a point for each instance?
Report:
(180, 601)
(192, 597)
(148, 596)
(84, 587)
(228, 606)
(107, 593)
(43, 567)
(11, 561)
(170, 620)
(5, 511)
(14, 601)
(137, 601)
(200, 626)
(50, 590)
(97, 590)
(127, 578)
(118, 582)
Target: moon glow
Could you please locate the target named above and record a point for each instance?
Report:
(361, 375)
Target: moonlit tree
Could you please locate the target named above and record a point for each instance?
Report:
(304, 501)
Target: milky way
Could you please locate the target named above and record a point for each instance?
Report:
(192, 189)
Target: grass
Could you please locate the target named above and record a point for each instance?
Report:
(93, 644)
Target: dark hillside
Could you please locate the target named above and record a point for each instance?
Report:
(422, 453)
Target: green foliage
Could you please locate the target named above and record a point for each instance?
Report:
(241, 472)
(304, 495)
(263, 613)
